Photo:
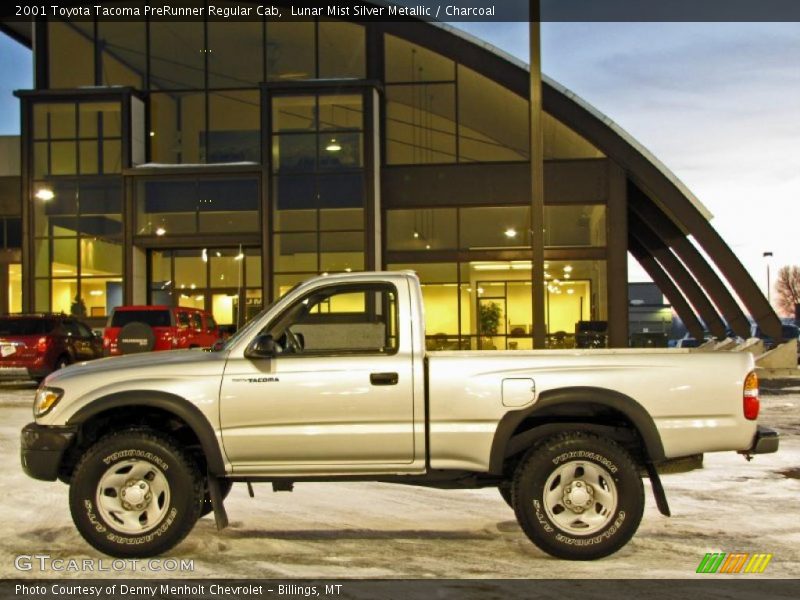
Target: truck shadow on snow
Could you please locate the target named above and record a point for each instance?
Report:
(351, 534)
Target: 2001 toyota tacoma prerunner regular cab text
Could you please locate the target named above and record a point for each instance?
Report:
(333, 382)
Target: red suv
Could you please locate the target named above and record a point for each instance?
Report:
(134, 329)
(36, 345)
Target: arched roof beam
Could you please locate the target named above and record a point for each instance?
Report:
(667, 287)
(682, 278)
(673, 237)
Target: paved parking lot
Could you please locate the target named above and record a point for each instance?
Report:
(379, 530)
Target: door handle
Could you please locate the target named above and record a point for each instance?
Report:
(383, 378)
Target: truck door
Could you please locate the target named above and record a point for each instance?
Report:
(338, 389)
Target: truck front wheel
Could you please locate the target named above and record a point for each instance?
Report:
(135, 493)
(577, 496)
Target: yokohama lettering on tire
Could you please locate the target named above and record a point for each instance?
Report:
(135, 493)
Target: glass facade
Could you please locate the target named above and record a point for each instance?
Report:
(224, 281)
(77, 138)
(319, 193)
(197, 205)
(78, 245)
(290, 117)
(440, 112)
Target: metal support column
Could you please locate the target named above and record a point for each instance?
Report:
(537, 178)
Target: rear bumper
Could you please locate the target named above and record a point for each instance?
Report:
(765, 441)
(42, 449)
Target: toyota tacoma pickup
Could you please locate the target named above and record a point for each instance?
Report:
(333, 382)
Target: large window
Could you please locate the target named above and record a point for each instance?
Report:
(437, 112)
(76, 138)
(123, 52)
(198, 55)
(224, 281)
(235, 54)
(318, 186)
(479, 228)
(489, 304)
(70, 54)
(177, 55)
(207, 205)
(492, 120)
(78, 246)
(575, 225)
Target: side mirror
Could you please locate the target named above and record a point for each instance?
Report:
(263, 346)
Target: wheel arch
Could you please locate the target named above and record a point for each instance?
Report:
(145, 406)
(600, 410)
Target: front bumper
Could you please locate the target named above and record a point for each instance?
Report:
(42, 448)
(765, 441)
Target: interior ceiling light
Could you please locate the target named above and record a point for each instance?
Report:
(45, 194)
(568, 269)
(416, 235)
(510, 232)
(204, 255)
(333, 146)
(161, 231)
(570, 291)
(96, 293)
(218, 253)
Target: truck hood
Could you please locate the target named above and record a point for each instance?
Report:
(194, 375)
(177, 362)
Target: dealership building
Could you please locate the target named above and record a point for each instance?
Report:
(215, 164)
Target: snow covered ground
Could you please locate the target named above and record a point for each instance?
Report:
(383, 531)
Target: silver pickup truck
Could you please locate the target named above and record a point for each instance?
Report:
(333, 382)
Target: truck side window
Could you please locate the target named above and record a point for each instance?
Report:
(340, 319)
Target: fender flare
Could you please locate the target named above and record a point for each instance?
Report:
(171, 403)
(635, 412)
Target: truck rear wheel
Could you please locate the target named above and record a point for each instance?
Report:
(135, 493)
(577, 496)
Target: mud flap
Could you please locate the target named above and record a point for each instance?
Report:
(220, 516)
(658, 490)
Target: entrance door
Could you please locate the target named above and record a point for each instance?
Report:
(338, 389)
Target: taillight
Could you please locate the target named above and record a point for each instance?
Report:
(41, 345)
(750, 401)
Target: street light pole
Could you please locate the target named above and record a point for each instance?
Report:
(767, 255)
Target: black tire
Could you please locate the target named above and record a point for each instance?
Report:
(136, 337)
(151, 458)
(607, 516)
(225, 486)
(506, 490)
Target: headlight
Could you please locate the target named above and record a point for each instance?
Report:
(46, 399)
